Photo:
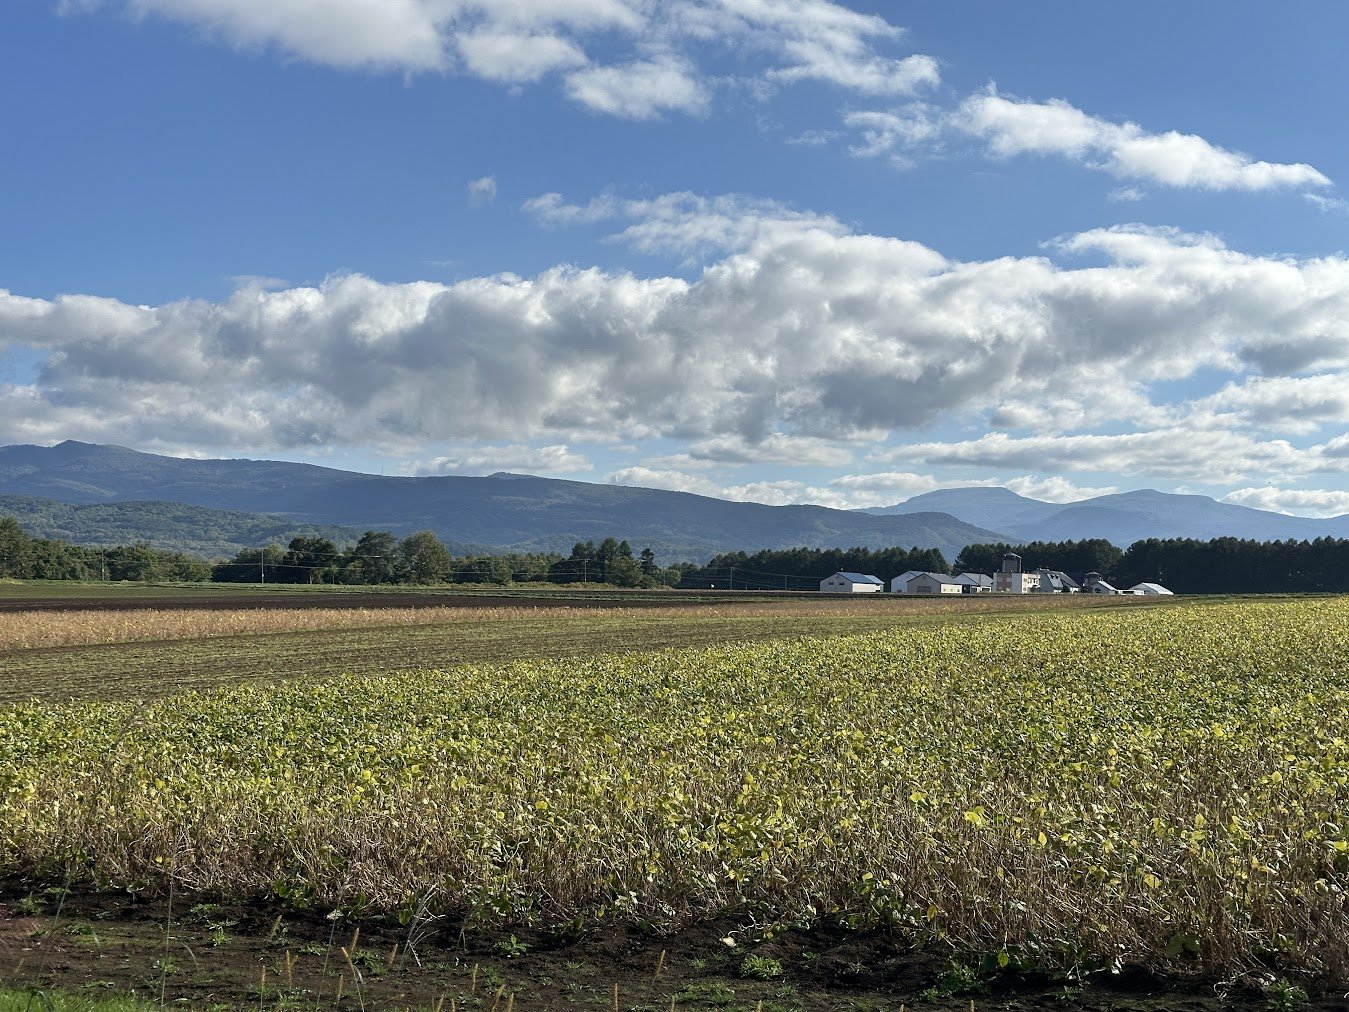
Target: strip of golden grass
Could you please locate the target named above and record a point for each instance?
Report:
(35, 630)
(153, 654)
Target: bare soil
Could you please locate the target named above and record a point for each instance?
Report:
(205, 953)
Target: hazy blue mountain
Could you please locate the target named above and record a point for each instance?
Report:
(1000, 509)
(506, 512)
(1121, 518)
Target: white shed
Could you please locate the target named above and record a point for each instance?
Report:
(975, 583)
(1148, 589)
(851, 583)
(934, 583)
(900, 584)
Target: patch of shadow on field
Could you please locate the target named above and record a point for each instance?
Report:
(208, 953)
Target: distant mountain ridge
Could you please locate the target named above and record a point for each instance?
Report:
(505, 512)
(1121, 518)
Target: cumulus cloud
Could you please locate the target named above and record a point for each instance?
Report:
(658, 50)
(801, 346)
(1293, 404)
(685, 223)
(1009, 127)
(1294, 502)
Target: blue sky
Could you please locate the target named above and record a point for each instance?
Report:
(790, 251)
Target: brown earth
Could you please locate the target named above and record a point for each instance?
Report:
(206, 955)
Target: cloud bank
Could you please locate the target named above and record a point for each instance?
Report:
(804, 343)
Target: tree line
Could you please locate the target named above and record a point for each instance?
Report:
(26, 558)
(1185, 565)
(421, 558)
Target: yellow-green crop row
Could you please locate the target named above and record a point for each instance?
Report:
(1159, 785)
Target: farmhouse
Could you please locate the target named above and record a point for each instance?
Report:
(851, 583)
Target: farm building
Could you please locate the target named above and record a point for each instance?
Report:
(1096, 584)
(934, 583)
(1147, 589)
(1052, 581)
(900, 584)
(975, 583)
(851, 583)
(1011, 580)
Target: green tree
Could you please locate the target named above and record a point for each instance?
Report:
(308, 560)
(15, 549)
(624, 572)
(647, 560)
(138, 562)
(423, 559)
(249, 565)
(485, 569)
(374, 559)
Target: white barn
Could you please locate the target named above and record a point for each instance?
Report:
(900, 584)
(851, 583)
(934, 583)
(975, 583)
(1148, 590)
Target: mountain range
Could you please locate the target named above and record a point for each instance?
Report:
(503, 512)
(1121, 518)
(94, 494)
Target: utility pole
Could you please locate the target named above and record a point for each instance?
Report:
(262, 566)
(733, 578)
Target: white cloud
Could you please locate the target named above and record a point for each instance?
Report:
(1293, 404)
(1125, 195)
(514, 58)
(1294, 502)
(902, 484)
(479, 460)
(642, 89)
(1055, 489)
(1330, 205)
(685, 223)
(895, 133)
(482, 191)
(797, 348)
(669, 479)
(1212, 456)
(1011, 127)
(657, 48)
